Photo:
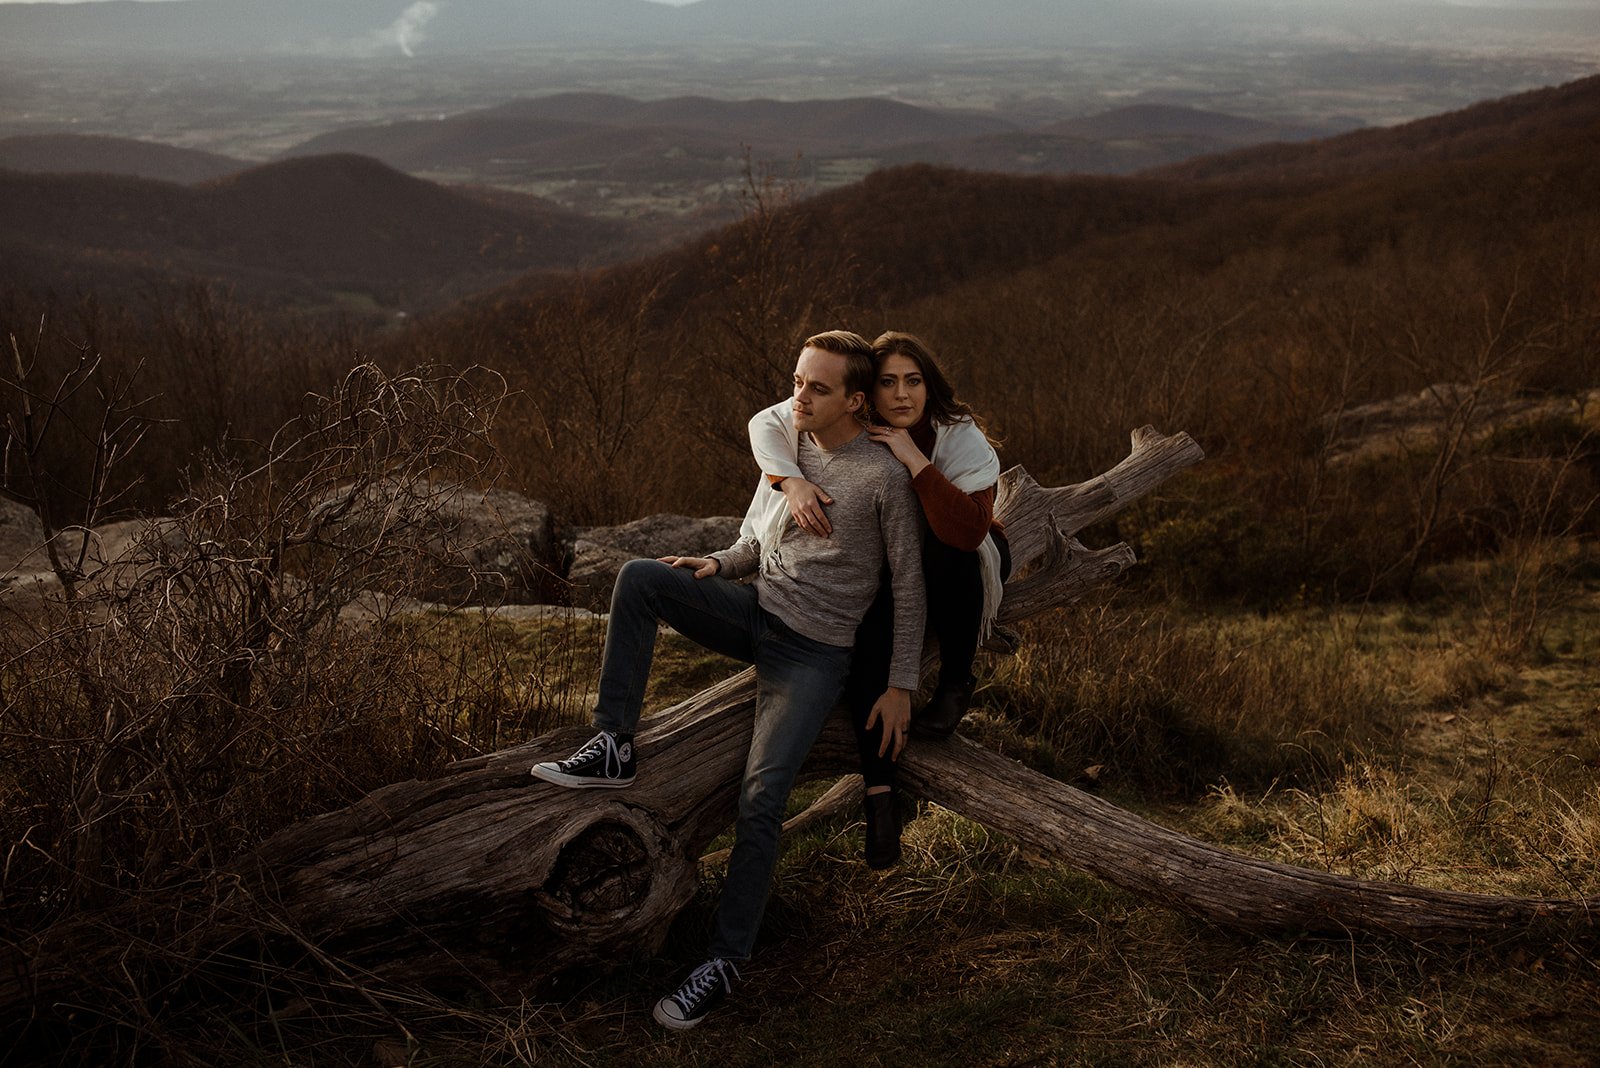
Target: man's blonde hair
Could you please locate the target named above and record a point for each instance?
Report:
(857, 352)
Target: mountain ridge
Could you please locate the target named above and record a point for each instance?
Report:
(304, 227)
(706, 125)
(1569, 109)
(973, 225)
(99, 154)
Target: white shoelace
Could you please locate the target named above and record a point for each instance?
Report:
(605, 742)
(702, 980)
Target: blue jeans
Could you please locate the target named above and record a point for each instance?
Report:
(798, 682)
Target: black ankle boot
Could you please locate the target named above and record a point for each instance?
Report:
(883, 831)
(944, 711)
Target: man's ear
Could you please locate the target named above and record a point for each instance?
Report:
(857, 400)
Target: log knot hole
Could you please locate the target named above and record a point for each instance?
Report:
(605, 868)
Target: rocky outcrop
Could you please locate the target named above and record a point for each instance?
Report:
(21, 534)
(492, 548)
(506, 546)
(470, 546)
(598, 553)
(103, 557)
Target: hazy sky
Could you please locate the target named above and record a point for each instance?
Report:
(1336, 4)
(1310, 3)
(674, 3)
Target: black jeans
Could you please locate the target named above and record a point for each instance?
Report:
(955, 610)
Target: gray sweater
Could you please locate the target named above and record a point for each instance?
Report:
(822, 587)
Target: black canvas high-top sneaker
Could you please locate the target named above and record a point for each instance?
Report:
(703, 991)
(604, 761)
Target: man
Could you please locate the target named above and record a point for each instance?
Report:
(796, 622)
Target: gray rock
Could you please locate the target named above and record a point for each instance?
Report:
(599, 552)
(502, 533)
(106, 557)
(21, 534)
(1420, 421)
(473, 546)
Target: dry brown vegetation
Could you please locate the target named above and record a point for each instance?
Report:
(1073, 309)
(1439, 572)
(1566, 110)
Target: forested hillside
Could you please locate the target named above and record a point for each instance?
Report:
(1074, 309)
(307, 233)
(1462, 250)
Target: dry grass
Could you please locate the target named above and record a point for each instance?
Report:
(1452, 741)
(971, 952)
(1172, 700)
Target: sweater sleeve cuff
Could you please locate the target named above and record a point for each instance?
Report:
(731, 564)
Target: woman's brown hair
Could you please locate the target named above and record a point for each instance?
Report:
(943, 407)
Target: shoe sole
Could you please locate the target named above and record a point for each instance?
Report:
(577, 782)
(671, 1023)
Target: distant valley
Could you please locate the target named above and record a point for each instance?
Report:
(672, 166)
(366, 27)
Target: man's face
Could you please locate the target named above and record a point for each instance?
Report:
(820, 398)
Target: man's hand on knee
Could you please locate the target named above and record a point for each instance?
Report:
(701, 567)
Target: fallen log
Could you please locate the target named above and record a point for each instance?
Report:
(485, 871)
(485, 876)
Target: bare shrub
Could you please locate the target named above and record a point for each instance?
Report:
(155, 712)
(583, 429)
(219, 681)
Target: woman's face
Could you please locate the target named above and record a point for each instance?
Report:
(899, 394)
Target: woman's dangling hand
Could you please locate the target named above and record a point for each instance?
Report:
(893, 710)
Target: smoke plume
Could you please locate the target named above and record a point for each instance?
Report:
(406, 32)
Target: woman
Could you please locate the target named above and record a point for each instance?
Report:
(953, 465)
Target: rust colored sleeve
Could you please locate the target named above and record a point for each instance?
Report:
(960, 520)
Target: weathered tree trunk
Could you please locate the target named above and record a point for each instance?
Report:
(1214, 884)
(484, 873)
